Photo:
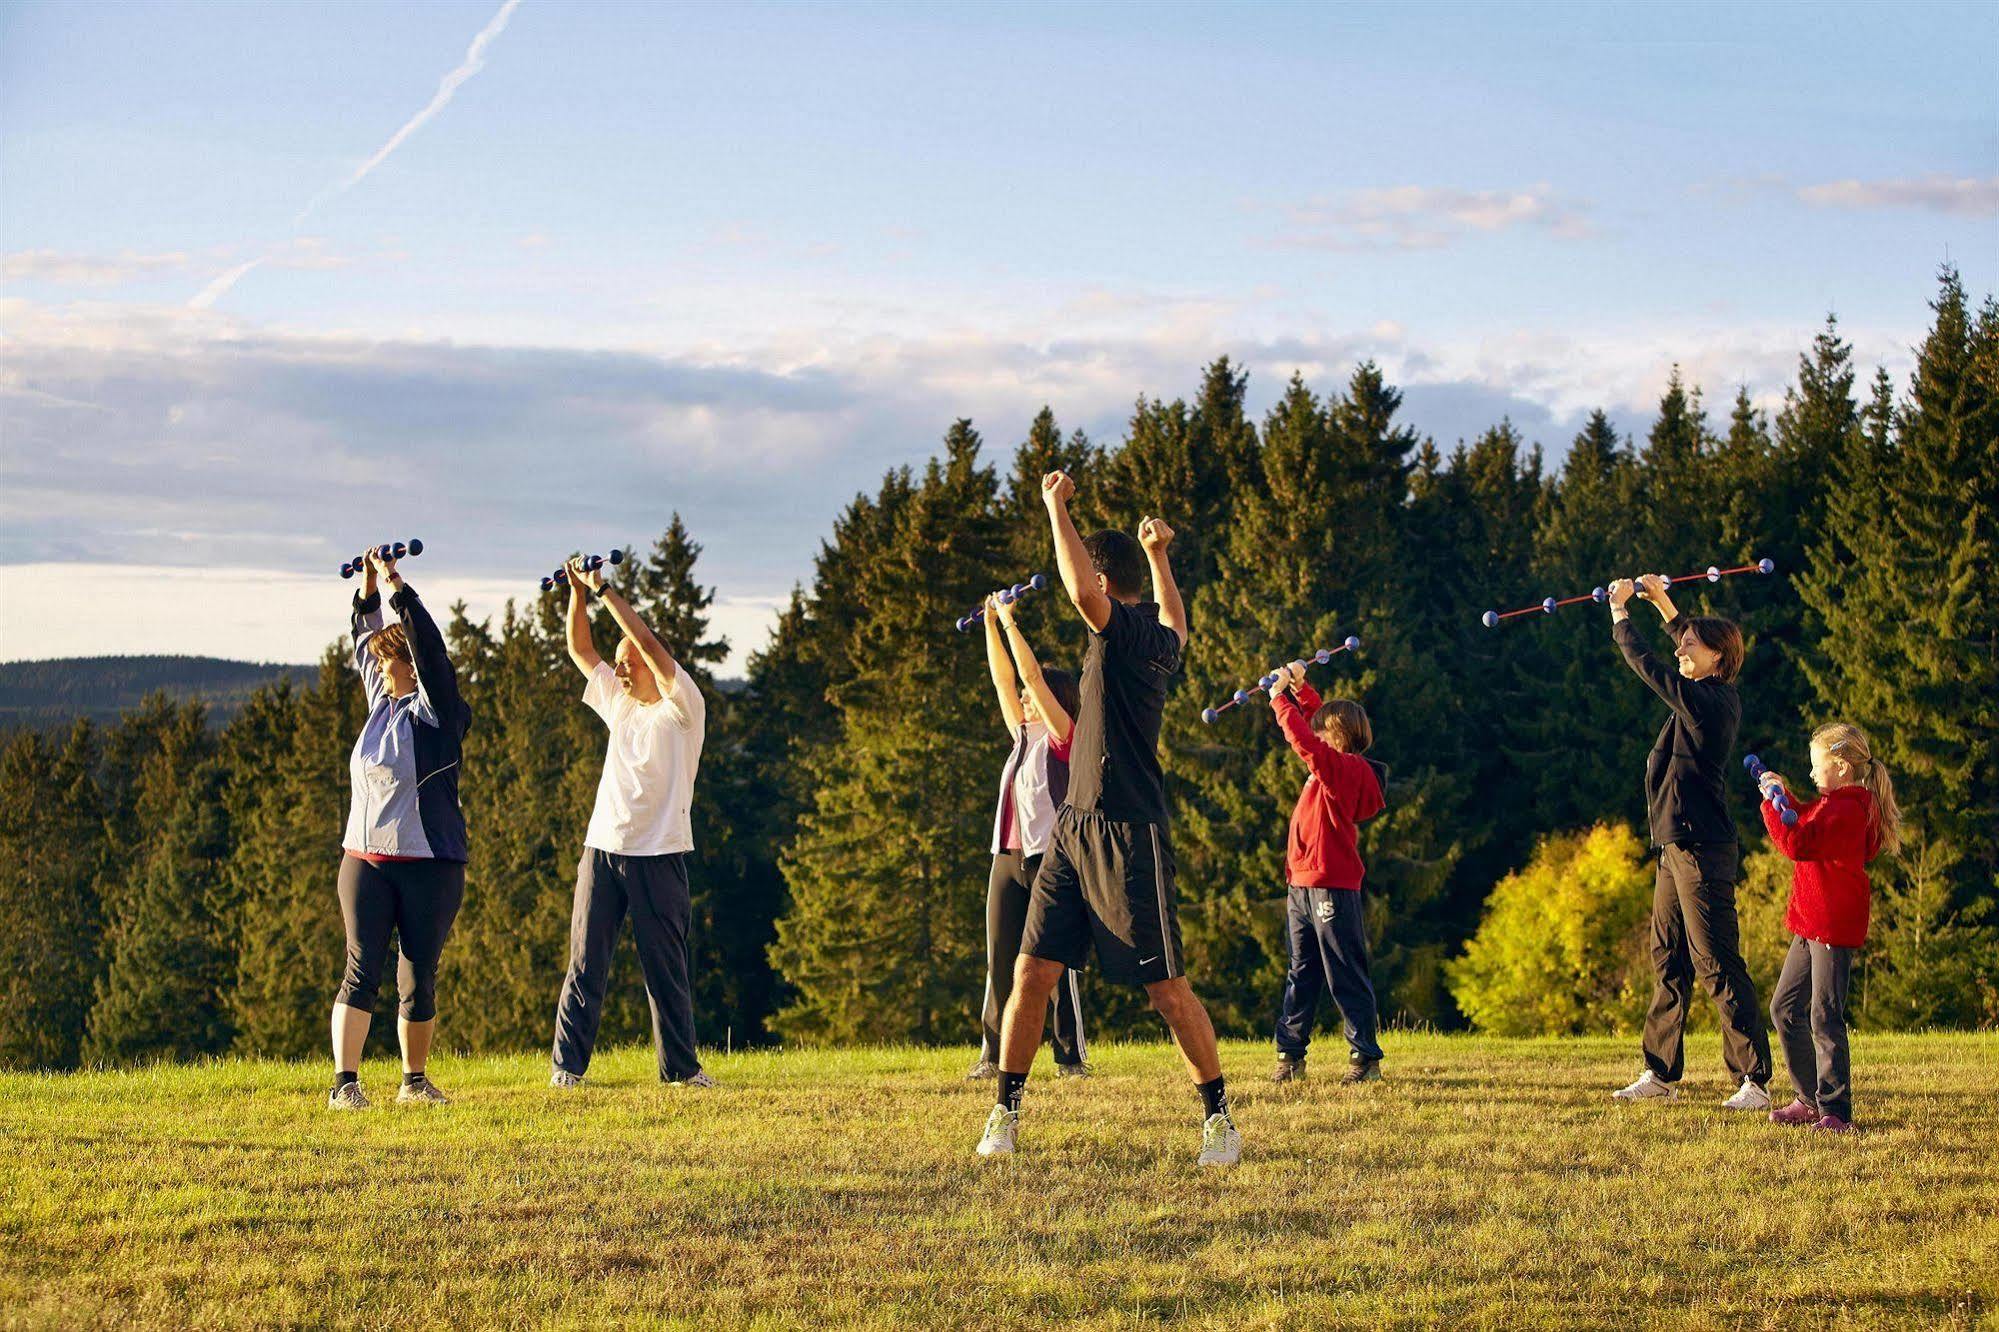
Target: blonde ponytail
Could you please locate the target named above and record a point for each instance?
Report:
(1848, 743)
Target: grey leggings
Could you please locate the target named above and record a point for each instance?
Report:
(1809, 1012)
(416, 900)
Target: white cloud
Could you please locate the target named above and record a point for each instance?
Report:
(66, 269)
(1965, 196)
(1418, 217)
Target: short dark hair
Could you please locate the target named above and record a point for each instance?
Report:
(1063, 686)
(1344, 724)
(1117, 556)
(1719, 635)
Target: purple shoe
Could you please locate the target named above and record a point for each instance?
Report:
(1833, 1124)
(1795, 1115)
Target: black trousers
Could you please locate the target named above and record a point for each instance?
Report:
(653, 889)
(1694, 933)
(1809, 1013)
(1327, 932)
(416, 901)
(1007, 896)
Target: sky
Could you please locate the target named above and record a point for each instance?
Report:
(524, 278)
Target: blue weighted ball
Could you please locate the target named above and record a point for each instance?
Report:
(1599, 594)
(617, 556)
(416, 546)
(1766, 566)
(1323, 655)
(1242, 696)
(1548, 605)
(1490, 619)
(1714, 573)
(1209, 715)
(1353, 643)
(547, 583)
(1039, 582)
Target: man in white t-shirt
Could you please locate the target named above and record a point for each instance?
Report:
(635, 854)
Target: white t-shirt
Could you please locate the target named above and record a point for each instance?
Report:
(647, 788)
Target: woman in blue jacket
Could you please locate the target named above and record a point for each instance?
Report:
(403, 871)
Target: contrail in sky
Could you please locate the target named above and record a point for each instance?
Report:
(447, 88)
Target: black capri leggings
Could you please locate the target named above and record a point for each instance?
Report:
(416, 900)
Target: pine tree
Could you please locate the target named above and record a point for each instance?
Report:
(50, 837)
(1902, 584)
(164, 992)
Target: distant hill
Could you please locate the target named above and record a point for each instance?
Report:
(43, 694)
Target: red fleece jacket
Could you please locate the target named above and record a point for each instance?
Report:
(1832, 841)
(1342, 793)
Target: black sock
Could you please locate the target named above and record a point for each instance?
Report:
(411, 1079)
(1011, 1085)
(1215, 1097)
(343, 1078)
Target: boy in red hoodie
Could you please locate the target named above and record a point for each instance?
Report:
(1324, 915)
(1853, 820)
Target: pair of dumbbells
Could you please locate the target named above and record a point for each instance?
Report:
(389, 550)
(560, 578)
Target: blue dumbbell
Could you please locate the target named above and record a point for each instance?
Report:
(1777, 796)
(389, 550)
(1008, 595)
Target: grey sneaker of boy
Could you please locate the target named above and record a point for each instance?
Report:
(347, 1096)
(1361, 1070)
(422, 1092)
(699, 1078)
(1288, 1070)
(983, 1071)
(1073, 1071)
(564, 1080)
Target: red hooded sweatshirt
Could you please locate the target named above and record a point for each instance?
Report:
(1832, 841)
(1342, 793)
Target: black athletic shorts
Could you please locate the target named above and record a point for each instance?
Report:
(1110, 884)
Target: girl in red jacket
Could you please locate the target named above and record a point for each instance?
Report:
(1324, 918)
(1853, 820)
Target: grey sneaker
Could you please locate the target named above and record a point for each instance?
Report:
(347, 1096)
(1002, 1132)
(1288, 1070)
(1221, 1145)
(698, 1078)
(983, 1071)
(1359, 1071)
(422, 1092)
(1649, 1087)
(1073, 1071)
(565, 1080)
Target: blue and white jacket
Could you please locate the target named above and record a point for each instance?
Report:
(404, 768)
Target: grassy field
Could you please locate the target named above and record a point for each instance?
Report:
(1484, 1183)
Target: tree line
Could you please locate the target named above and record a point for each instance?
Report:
(167, 888)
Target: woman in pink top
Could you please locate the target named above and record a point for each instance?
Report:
(1039, 709)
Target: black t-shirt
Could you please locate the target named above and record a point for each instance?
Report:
(1114, 766)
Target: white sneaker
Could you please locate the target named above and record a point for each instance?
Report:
(1651, 1087)
(698, 1078)
(346, 1096)
(1002, 1131)
(1220, 1143)
(564, 1079)
(1748, 1096)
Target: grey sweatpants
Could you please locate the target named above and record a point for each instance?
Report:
(1809, 1012)
(654, 890)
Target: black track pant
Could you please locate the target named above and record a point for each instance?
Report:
(654, 890)
(1809, 1012)
(1327, 929)
(1694, 933)
(416, 901)
(1007, 895)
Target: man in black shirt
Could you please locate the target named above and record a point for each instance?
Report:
(1106, 882)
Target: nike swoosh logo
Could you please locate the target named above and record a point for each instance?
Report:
(1146, 961)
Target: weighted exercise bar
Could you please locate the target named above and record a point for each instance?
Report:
(1321, 657)
(1776, 796)
(1549, 605)
(388, 550)
(560, 578)
(1037, 583)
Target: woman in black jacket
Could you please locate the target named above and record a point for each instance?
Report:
(1694, 931)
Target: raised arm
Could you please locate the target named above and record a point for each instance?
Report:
(436, 678)
(1060, 723)
(1079, 579)
(665, 670)
(366, 618)
(1680, 694)
(1000, 667)
(576, 625)
(1156, 536)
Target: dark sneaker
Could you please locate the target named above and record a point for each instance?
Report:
(422, 1092)
(983, 1071)
(1795, 1115)
(1359, 1071)
(1072, 1071)
(1288, 1070)
(347, 1096)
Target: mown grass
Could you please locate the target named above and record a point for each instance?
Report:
(1485, 1183)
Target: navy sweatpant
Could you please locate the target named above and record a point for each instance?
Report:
(1327, 933)
(653, 891)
